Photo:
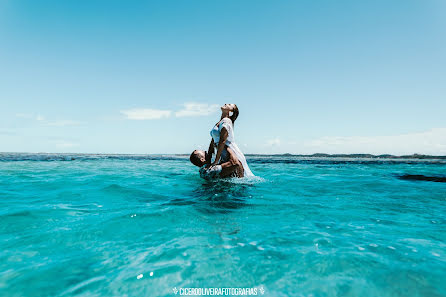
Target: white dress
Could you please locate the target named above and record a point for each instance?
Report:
(215, 134)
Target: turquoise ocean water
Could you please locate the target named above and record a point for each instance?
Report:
(86, 225)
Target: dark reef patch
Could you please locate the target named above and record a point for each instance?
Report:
(438, 179)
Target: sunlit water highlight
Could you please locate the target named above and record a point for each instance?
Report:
(140, 226)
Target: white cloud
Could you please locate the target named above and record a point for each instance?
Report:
(145, 114)
(40, 118)
(193, 109)
(428, 142)
(24, 116)
(62, 123)
(273, 142)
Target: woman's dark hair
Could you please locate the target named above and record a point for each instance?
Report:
(234, 114)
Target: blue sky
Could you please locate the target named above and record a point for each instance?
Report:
(146, 76)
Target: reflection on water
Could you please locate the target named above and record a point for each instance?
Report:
(217, 196)
(220, 196)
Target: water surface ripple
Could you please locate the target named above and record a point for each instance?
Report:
(91, 226)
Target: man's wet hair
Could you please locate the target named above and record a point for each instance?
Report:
(195, 159)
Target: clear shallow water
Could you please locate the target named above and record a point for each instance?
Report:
(309, 227)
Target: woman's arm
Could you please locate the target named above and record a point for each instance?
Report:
(231, 166)
(221, 145)
(210, 152)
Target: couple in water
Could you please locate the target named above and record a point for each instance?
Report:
(223, 158)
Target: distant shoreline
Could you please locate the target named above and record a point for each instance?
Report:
(368, 156)
(355, 156)
(317, 155)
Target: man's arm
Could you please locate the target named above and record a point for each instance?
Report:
(210, 152)
(233, 165)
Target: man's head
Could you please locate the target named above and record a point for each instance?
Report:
(198, 158)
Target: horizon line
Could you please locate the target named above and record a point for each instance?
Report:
(386, 155)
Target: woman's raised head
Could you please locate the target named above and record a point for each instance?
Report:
(231, 108)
